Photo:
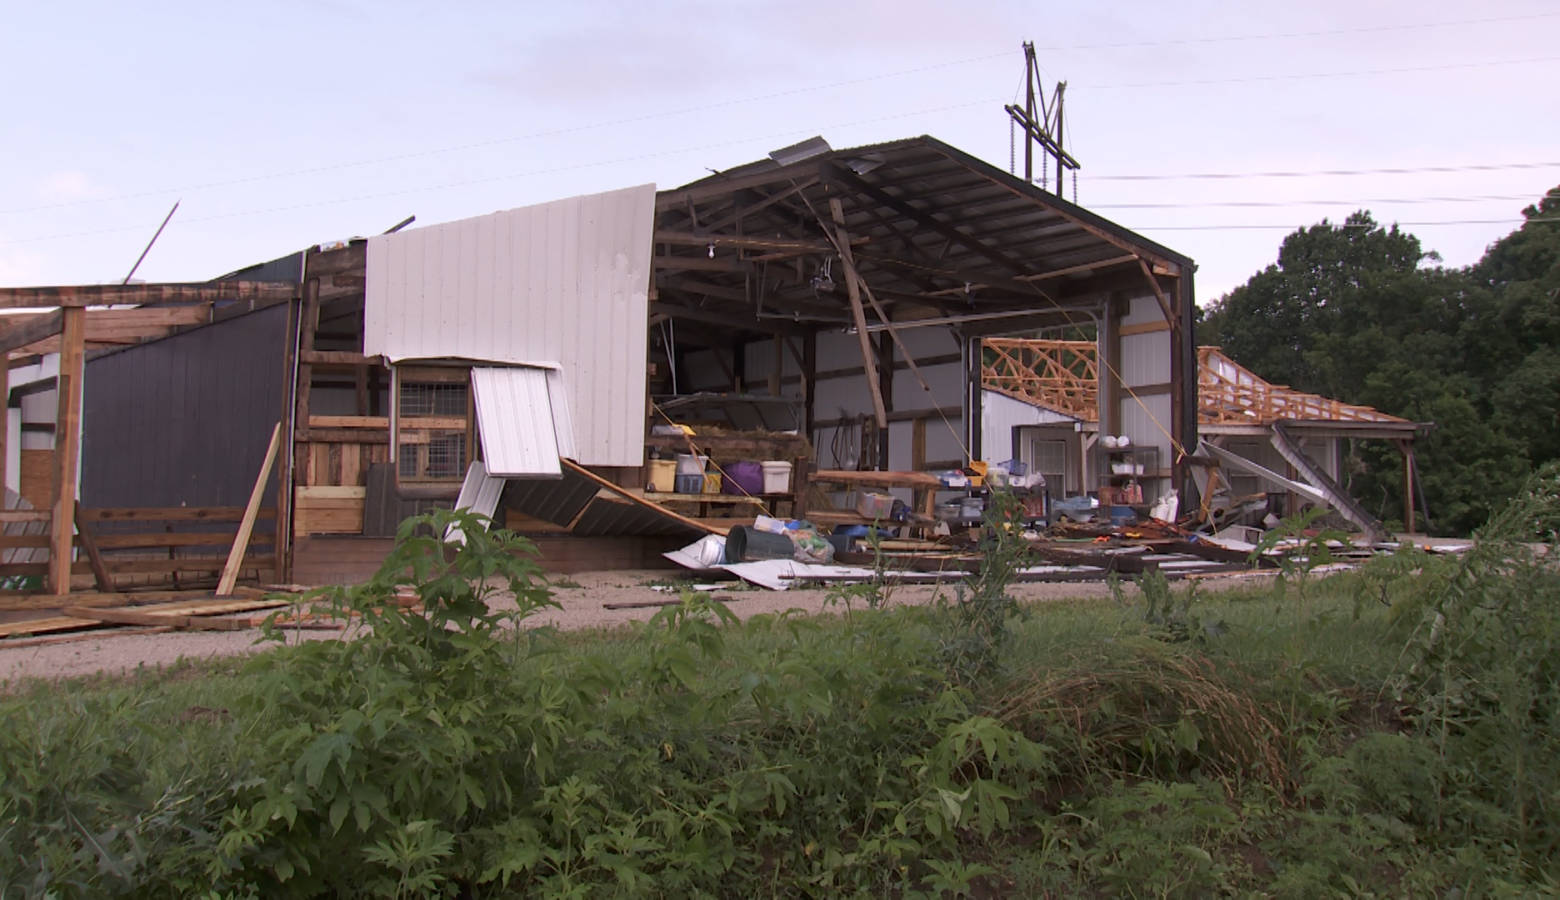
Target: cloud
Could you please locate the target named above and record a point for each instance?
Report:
(65, 186)
(603, 52)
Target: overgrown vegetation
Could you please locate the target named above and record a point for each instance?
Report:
(1388, 732)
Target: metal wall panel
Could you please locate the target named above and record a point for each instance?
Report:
(1000, 414)
(515, 419)
(184, 420)
(1145, 358)
(562, 283)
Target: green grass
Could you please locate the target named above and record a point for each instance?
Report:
(1257, 742)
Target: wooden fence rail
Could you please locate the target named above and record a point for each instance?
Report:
(138, 546)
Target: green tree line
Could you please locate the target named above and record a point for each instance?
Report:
(1361, 312)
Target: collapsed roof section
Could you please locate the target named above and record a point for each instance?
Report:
(1064, 376)
(935, 232)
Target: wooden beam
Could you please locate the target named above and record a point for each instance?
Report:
(634, 498)
(857, 313)
(79, 295)
(84, 534)
(1159, 295)
(1081, 268)
(247, 525)
(138, 617)
(31, 330)
(340, 358)
(742, 212)
(721, 185)
(925, 218)
(744, 242)
(1029, 192)
(67, 444)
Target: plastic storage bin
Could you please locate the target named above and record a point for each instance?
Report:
(777, 476)
(689, 484)
(690, 464)
(874, 506)
(662, 475)
(743, 478)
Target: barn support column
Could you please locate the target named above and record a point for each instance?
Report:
(67, 446)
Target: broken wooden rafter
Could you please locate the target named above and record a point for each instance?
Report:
(746, 242)
(927, 219)
(1159, 295)
(720, 185)
(853, 290)
(741, 212)
(1062, 208)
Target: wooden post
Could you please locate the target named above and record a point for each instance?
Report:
(246, 526)
(282, 542)
(5, 420)
(777, 364)
(886, 388)
(67, 445)
(1408, 485)
(858, 315)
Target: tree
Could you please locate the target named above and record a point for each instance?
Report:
(1351, 311)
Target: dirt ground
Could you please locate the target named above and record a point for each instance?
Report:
(583, 597)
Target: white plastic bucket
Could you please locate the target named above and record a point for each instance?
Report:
(777, 476)
(689, 464)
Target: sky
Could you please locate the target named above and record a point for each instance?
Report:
(282, 124)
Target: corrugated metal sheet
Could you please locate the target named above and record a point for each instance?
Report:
(479, 492)
(515, 421)
(563, 282)
(185, 420)
(557, 502)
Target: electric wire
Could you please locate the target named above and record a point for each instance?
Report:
(742, 101)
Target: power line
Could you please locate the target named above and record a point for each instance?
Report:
(1298, 76)
(1368, 29)
(1313, 173)
(591, 126)
(1484, 198)
(1292, 227)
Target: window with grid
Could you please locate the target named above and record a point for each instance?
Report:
(433, 424)
(1049, 458)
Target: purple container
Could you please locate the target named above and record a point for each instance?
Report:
(745, 478)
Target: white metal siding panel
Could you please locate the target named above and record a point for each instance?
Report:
(479, 492)
(563, 416)
(515, 419)
(1148, 422)
(1000, 414)
(1142, 310)
(562, 282)
(1145, 358)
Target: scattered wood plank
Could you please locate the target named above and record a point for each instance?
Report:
(695, 524)
(247, 524)
(20, 643)
(138, 617)
(647, 604)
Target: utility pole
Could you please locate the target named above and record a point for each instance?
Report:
(1041, 121)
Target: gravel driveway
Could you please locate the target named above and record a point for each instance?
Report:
(583, 597)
